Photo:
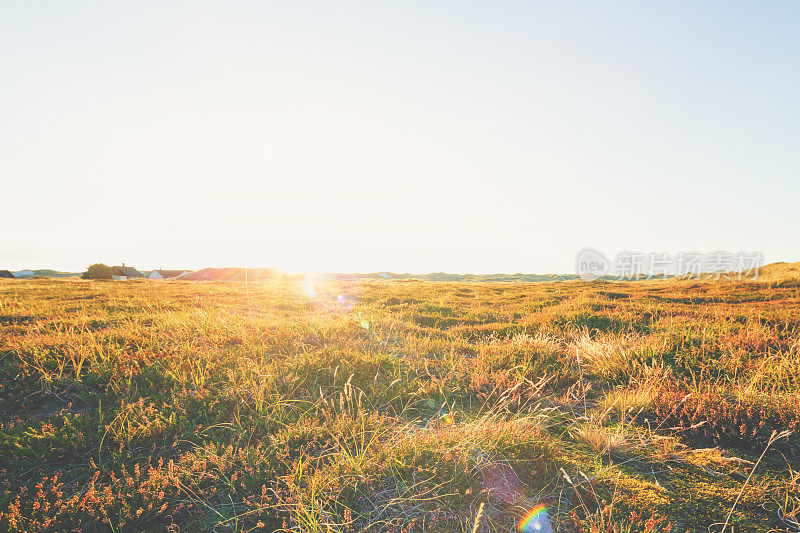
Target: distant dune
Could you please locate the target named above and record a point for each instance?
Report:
(231, 274)
(779, 272)
(768, 273)
(44, 273)
(444, 276)
(256, 274)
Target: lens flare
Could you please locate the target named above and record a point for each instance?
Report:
(536, 521)
(365, 324)
(308, 288)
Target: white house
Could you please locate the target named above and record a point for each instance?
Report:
(166, 274)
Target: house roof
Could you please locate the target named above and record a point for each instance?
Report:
(169, 273)
(127, 271)
(6, 274)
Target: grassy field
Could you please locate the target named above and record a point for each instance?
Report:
(399, 406)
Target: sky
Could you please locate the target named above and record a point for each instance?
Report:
(404, 136)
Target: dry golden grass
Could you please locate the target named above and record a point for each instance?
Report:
(397, 406)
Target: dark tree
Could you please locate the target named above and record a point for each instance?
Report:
(98, 271)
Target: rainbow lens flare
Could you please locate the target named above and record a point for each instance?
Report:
(536, 521)
(342, 299)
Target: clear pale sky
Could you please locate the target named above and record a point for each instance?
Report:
(403, 136)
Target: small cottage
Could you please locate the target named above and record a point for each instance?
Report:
(123, 272)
